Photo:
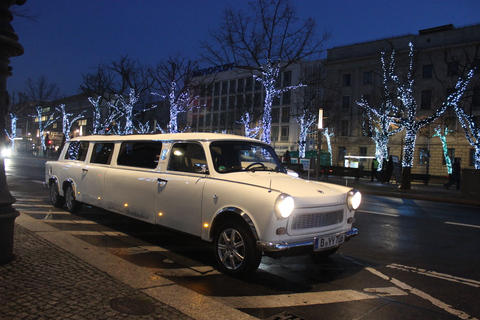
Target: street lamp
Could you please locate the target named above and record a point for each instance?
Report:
(9, 47)
(320, 129)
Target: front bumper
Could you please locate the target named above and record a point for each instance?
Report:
(282, 246)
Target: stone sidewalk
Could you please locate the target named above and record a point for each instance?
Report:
(57, 276)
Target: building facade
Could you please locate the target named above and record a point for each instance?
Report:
(441, 56)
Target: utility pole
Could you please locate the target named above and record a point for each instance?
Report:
(9, 47)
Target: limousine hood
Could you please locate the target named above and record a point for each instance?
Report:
(306, 193)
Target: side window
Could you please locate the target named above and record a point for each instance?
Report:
(77, 150)
(102, 153)
(141, 154)
(187, 157)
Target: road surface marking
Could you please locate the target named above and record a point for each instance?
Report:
(448, 308)
(380, 213)
(463, 224)
(304, 299)
(443, 276)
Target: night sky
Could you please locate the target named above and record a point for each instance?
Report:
(71, 38)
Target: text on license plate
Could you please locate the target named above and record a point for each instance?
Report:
(321, 243)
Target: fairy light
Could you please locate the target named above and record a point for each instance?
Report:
(268, 80)
(66, 121)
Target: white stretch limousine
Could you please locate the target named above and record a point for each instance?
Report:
(227, 189)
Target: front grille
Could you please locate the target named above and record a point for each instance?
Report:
(316, 220)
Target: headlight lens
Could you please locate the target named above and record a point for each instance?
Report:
(284, 206)
(354, 199)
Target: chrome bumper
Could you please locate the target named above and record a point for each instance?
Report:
(282, 246)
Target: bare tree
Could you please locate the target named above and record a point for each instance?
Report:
(174, 82)
(266, 39)
(116, 87)
(40, 92)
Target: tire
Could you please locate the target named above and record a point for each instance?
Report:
(235, 249)
(73, 206)
(55, 197)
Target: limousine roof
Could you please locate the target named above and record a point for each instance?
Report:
(198, 136)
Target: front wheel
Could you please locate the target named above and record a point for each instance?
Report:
(55, 197)
(235, 250)
(73, 206)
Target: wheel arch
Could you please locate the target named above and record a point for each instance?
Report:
(232, 213)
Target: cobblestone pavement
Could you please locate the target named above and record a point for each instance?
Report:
(46, 282)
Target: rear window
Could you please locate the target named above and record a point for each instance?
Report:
(102, 153)
(141, 154)
(77, 150)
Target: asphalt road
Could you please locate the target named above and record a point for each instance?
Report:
(413, 259)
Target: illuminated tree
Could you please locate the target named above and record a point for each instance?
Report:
(174, 82)
(251, 131)
(43, 125)
(411, 122)
(265, 40)
(472, 129)
(116, 87)
(381, 124)
(328, 137)
(67, 122)
(443, 140)
(40, 92)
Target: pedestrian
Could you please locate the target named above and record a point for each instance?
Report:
(374, 169)
(456, 175)
(287, 158)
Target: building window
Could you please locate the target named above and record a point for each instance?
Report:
(275, 115)
(346, 102)
(286, 97)
(274, 133)
(285, 133)
(240, 85)
(82, 122)
(427, 71)
(344, 130)
(224, 87)
(342, 152)
(476, 98)
(216, 104)
(423, 159)
(287, 78)
(472, 157)
(285, 115)
(216, 89)
(368, 77)
(362, 151)
(426, 99)
(452, 69)
(249, 84)
(347, 80)
(232, 86)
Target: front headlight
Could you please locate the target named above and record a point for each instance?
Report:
(354, 198)
(284, 206)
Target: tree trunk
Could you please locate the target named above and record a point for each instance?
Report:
(406, 178)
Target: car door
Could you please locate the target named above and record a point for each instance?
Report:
(93, 174)
(131, 183)
(180, 188)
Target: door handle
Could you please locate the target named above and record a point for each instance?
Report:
(85, 170)
(161, 181)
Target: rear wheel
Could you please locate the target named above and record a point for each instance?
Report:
(73, 206)
(55, 197)
(235, 250)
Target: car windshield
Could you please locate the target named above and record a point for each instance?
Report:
(234, 156)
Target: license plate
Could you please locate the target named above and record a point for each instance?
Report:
(322, 243)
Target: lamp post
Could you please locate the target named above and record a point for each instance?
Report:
(320, 129)
(9, 47)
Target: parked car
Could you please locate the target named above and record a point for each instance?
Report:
(226, 189)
